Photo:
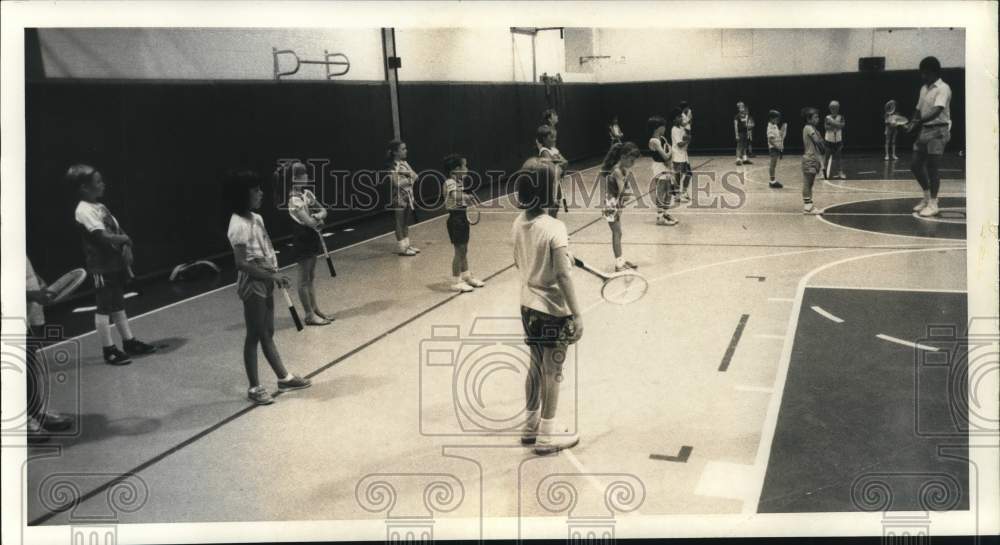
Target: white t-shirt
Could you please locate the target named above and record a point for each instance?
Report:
(834, 134)
(535, 243)
(937, 94)
(36, 316)
(302, 202)
(94, 216)
(452, 194)
(679, 154)
(253, 234)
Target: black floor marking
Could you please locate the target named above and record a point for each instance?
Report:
(759, 278)
(732, 343)
(681, 457)
(200, 435)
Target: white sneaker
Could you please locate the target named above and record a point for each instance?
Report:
(474, 282)
(461, 287)
(894, 158)
(407, 252)
(666, 219)
(810, 209)
(415, 249)
(930, 210)
(886, 158)
(920, 206)
(685, 197)
(561, 439)
(529, 433)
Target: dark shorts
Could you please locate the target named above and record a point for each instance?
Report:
(110, 288)
(541, 329)
(305, 241)
(811, 166)
(458, 227)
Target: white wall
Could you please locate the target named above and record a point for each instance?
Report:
(476, 54)
(663, 54)
(211, 54)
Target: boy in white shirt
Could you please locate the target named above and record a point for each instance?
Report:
(679, 138)
(775, 144)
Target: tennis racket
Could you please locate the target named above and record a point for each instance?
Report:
(326, 253)
(66, 284)
(890, 107)
(620, 288)
(829, 165)
(897, 120)
(291, 308)
(472, 212)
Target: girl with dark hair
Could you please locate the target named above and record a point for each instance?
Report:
(256, 274)
(615, 175)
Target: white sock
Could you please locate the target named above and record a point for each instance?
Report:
(533, 418)
(546, 426)
(466, 275)
(934, 202)
(287, 377)
(620, 261)
(403, 244)
(456, 279)
(102, 323)
(927, 195)
(121, 322)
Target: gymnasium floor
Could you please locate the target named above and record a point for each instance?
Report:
(766, 370)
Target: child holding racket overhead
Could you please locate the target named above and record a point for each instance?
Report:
(401, 180)
(256, 274)
(107, 250)
(891, 128)
(550, 313)
(615, 175)
(456, 200)
(813, 150)
(663, 174)
(308, 215)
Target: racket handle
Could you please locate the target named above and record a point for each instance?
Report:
(579, 263)
(292, 310)
(565, 206)
(326, 254)
(329, 265)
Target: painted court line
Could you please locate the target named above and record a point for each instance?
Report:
(819, 310)
(751, 499)
(731, 349)
(892, 339)
(758, 389)
(881, 288)
(769, 336)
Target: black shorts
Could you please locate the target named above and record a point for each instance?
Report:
(305, 241)
(458, 227)
(110, 291)
(541, 329)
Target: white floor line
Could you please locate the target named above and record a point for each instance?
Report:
(867, 172)
(917, 192)
(781, 299)
(227, 286)
(828, 222)
(892, 339)
(819, 310)
(752, 500)
(594, 483)
(769, 336)
(758, 389)
(876, 288)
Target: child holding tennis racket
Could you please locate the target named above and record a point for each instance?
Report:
(401, 180)
(615, 131)
(741, 126)
(776, 131)
(39, 421)
(550, 312)
(545, 137)
(308, 215)
(256, 275)
(679, 138)
(813, 150)
(834, 135)
(891, 128)
(456, 201)
(108, 251)
(663, 173)
(615, 175)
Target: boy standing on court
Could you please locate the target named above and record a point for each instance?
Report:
(456, 201)
(741, 123)
(550, 313)
(679, 138)
(933, 118)
(834, 136)
(813, 148)
(775, 144)
(108, 253)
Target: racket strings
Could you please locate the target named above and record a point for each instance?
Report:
(624, 288)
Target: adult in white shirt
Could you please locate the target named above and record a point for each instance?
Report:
(932, 118)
